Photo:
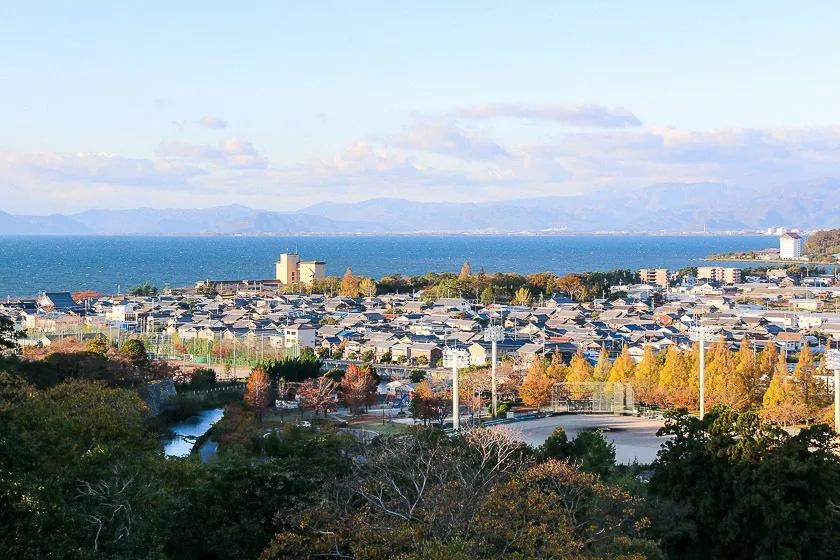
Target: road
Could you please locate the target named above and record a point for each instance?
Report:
(634, 438)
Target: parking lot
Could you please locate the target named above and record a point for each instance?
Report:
(634, 438)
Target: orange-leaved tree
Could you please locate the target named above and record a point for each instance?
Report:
(256, 391)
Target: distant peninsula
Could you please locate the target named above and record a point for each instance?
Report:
(821, 247)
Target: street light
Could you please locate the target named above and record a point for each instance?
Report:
(493, 334)
(832, 361)
(455, 358)
(699, 333)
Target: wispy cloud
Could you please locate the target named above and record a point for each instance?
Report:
(581, 115)
(209, 121)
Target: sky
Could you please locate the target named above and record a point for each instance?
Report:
(279, 105)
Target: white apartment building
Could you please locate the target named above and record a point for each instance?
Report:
(790, 246)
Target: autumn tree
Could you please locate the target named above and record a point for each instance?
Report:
(646, 376)
(536, 387)
(806, 382)
(317, 394)
(572, 285)
(623, 368)
(256, 391)
(367, 287)
(356, 387)
(466, 271)
(602, 369)
(674, 376)
(724, 385)
(580, 370)
(749, 373)
(522, 297)
(349, 284)
(98, 345)
(782, 401)
(85, 295)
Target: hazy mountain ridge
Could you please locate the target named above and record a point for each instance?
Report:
(662, 207)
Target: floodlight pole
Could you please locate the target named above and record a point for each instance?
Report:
(832, 358)
(702, 374)
(494, 334)
(493, 397)
(456, 405)
(698, 334)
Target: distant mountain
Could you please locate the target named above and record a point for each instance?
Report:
(661, 207)
(234, 219)
(55, 224)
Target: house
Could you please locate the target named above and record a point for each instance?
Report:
(299, 335)
(426, 351)
(790, 341)
(57, 301)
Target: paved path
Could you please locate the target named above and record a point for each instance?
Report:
(634, 438)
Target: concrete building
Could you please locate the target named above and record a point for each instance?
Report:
(655, 276)
(291, 270)
(725, 275)
(790, 246)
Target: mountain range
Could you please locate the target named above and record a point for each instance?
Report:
(662, 207)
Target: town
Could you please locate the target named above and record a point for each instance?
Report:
(231, 326)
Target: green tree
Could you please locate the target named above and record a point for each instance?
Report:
(135, 350)
(487, 296)
(741, 488)
(8, 335)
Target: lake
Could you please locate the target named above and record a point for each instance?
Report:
(104, 263)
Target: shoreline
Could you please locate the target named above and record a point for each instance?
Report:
(769, 261)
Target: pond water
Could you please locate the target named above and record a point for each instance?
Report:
(184, 434)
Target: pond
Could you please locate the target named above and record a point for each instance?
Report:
(184, 434)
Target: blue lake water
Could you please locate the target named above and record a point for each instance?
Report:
(32, 264)
(185, 433)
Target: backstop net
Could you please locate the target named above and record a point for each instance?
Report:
(593, 397)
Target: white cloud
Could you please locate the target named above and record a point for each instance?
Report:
(447, 138)
(230, 153)
(581, 115)
(209, 121)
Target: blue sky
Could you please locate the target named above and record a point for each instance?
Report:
(279, 104)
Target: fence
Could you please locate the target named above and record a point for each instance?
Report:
(593, 397)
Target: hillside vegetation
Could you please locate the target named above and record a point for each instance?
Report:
(824, 244)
